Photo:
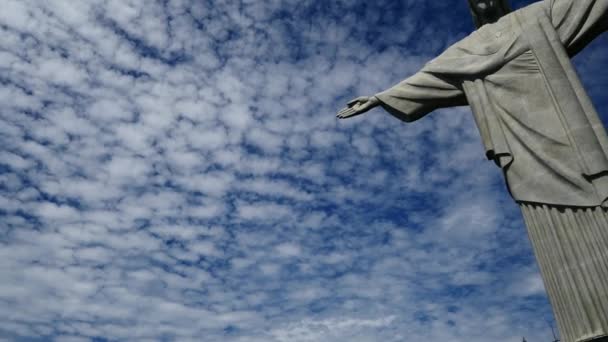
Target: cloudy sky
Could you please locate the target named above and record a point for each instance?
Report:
(173, 171)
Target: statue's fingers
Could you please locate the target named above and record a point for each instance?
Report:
(343, 110)
(349, 110)
(348, 113)
(346, 109)
(342, 115)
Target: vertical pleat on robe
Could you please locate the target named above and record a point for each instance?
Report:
(571, 247)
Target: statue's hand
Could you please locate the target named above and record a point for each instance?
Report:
(358, 106)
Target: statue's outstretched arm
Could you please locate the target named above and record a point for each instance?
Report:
(411, 99)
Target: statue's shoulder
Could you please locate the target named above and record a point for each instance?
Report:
(490, 38)
(490, 46)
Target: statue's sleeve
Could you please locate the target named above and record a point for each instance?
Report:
(421, 94)
(578, 22)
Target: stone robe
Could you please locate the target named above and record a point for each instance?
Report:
(535, 119)
(538, 124)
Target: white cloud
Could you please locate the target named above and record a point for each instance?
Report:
(288, 250)
(173, 170)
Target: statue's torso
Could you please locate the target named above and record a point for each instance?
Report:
(534, 117)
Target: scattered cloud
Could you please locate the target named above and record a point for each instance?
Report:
(172, 170)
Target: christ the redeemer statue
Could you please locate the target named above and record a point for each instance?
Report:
(540, 127)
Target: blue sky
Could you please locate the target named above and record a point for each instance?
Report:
(173, 171)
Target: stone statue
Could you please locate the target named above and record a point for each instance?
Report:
(540, 127)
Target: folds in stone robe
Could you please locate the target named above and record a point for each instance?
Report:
(535, 119)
